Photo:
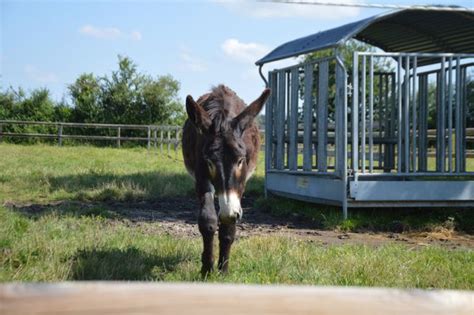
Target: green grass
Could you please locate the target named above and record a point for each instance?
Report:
(43, 173)
(58, 247)
(92, 243)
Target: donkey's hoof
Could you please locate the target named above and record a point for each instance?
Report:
(206, 271)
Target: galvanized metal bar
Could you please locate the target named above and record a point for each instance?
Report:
(280, 121)
(450, 115)
(269, 132)
(341, 102)
(308, 117)
(386, 125)
(463, 117)
(355, 113)
(363, 114)
(414, 118)
(393, 124)
(442, 115)
(380, 111)
(420, 55)
(399, 116)
(287, 121)
(340, 120)
(406, 116)
(438, 122)
(371, 114)
(458, 116)
(423, 134)
(323, 96)
(293, 117)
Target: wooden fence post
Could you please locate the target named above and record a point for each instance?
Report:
(148, 138)
(118, 137)
(169, 140)
(161, 140)
(1, 133)
(60, 135)
(176, 143)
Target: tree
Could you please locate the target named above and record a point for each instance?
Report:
(127, 97)
(85, 94)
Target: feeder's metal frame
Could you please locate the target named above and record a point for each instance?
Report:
(405, 180)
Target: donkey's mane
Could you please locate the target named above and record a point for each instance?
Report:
(222, 104)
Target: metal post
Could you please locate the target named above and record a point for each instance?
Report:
(450, 115)
(371, 114)
(442, 116)
(280, 122)
(308, 117)
(341, 128)
(399, 117)
(380, 111)
(363, 114)
(355, 113)
(458, 115)
(269, 126)
(414, 118)
(323, 95)
(393, 104)
(293, 117)
(406, 115)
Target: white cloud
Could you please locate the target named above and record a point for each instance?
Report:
(285, 10)
(136, 35)
(190, 62)
(244, 52)
(108, 33)
(35, 74)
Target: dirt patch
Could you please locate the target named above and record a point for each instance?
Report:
(178, 217)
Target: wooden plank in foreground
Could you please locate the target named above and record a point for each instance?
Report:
(209, 299)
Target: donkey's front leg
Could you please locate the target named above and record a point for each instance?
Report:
(226, 238)
(207, 222)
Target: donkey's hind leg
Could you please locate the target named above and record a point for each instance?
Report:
(207, 222)
(226, 238)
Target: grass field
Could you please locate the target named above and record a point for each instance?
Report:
(85, 244)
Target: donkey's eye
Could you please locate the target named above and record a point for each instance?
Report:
(240, 162)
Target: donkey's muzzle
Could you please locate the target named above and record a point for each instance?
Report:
(230, 210)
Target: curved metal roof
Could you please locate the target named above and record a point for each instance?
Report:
(410, 30)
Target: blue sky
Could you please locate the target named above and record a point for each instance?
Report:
(200, 43)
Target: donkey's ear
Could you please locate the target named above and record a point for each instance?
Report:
(197, 115)
(245, 118)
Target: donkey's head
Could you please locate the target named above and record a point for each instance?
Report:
(226, 152)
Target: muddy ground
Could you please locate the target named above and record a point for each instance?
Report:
(178, 217)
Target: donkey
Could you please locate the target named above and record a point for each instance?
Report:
(221, 142)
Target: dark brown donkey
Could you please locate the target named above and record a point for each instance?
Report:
(220, 147)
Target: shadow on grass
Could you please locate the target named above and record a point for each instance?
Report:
(395, 220)
(127, 264)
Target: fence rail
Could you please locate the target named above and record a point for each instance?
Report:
(156, 135)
